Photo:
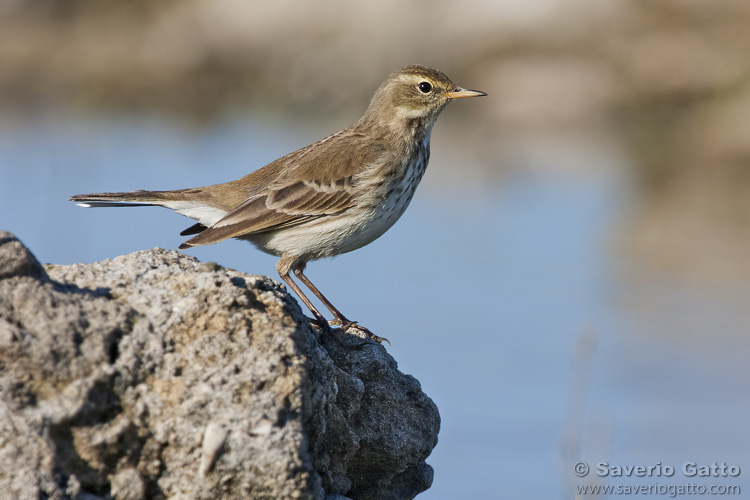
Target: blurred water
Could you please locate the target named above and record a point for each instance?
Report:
(505, 301)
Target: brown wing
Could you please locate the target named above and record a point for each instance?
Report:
(313, 182)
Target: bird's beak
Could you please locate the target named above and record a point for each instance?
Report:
(459, 92)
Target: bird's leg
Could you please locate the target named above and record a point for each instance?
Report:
(318, 317)
(340, 318)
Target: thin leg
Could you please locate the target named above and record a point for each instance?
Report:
(289, 281)
(319, 319)
(340, 318)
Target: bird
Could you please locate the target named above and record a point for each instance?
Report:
(331, 197)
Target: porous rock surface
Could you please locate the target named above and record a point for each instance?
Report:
(153, 375)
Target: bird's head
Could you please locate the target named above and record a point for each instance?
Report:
(414, 93)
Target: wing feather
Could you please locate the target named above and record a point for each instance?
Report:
(275, 209)
(314, 182)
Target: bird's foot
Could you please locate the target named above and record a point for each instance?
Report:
(321, 323)
(345, 325)
(324, 327)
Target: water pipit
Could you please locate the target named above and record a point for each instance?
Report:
(328, 198)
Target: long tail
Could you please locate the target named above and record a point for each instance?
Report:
(187, 202)
(130, 199)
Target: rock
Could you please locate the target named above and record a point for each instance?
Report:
(155, 376)
(128, 484)
(16, 259)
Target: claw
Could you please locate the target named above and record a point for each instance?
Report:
(353, 324)
(322, 324)
(345, 325)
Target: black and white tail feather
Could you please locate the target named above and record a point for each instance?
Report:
(205, 214)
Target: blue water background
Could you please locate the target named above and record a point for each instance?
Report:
(505, 298)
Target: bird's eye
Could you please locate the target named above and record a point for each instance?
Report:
(425, 87)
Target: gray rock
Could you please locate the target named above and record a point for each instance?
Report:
(155, 376)
(16, 259)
